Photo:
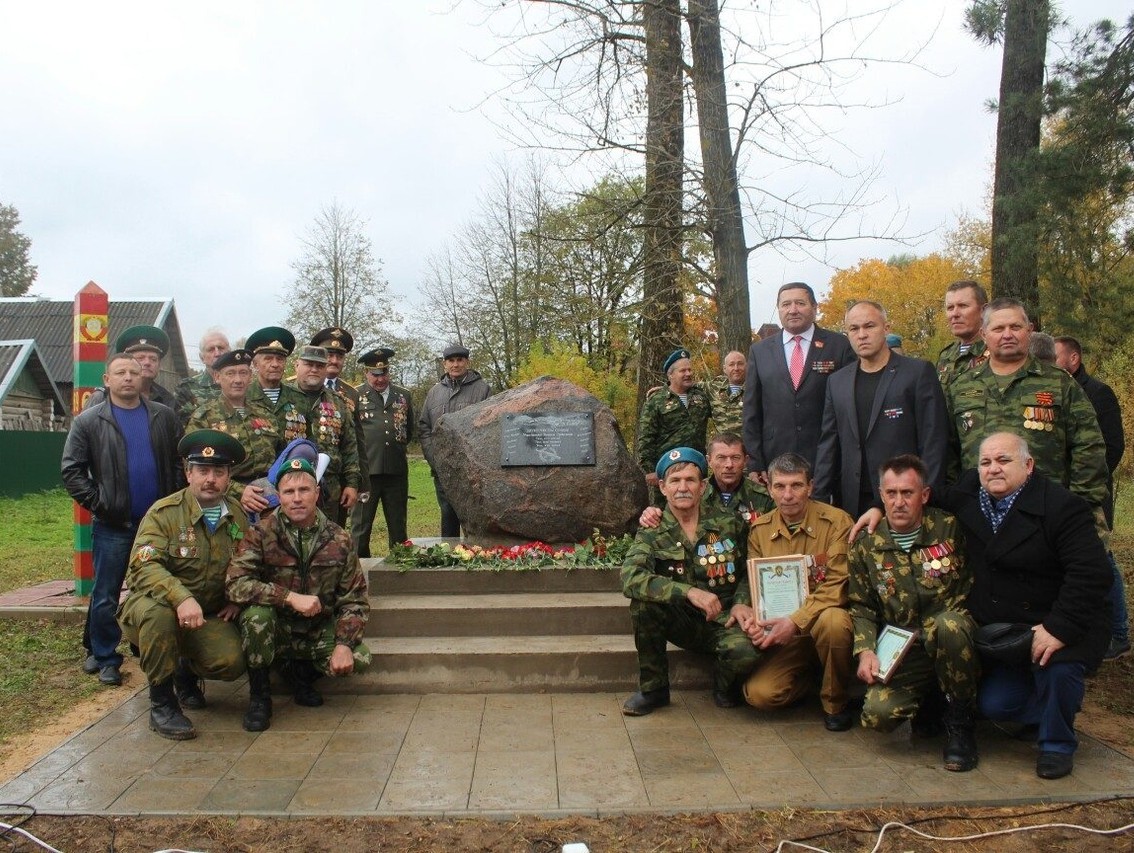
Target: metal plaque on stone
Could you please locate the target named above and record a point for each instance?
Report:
(566, 439)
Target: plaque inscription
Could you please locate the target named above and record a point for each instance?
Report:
(567, 439)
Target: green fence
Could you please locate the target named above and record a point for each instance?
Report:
(30, 461)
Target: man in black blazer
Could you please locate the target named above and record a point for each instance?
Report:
(787, 380)
(883, 405)
(1036, 559)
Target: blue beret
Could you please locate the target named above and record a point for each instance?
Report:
(676, 355)
(893, 340)
(680, 454)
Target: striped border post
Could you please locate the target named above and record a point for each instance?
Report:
(92, 306)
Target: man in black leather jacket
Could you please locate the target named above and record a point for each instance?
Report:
(120, 456)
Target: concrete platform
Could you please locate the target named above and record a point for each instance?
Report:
(505, 754)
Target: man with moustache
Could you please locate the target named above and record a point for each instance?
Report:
(677, 596)
(964, 305)
(786, 382)
(120, 456)
(458, 388)
(270, 348)
(674, 416)
(880, 406)
(176, 613)
(386, 412)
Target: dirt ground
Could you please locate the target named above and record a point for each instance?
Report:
(741, 831)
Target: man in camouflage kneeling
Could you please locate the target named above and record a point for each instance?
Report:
(300, 576)
(910, 573)
(682, 577)
(176, 613)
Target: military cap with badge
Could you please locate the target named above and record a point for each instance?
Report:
(142, 339)
(211, 447)
(681, 454)
(233, 357)
(673, 358)
(377, 361)
(336, 339)
(271, 339)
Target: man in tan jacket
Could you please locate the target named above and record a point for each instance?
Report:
(818, 635)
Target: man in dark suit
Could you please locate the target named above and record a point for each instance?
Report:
(1036, 559)
(884, 405)
(787, 380)
(386, 412)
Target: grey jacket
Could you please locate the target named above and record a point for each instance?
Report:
(444, 397)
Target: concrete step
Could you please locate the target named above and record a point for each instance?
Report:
(515, 664)
(387, 579)
(499, 614)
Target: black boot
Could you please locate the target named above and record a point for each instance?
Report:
(165, 714)
(646, 702)
(258, 717)
(960, 751)
(927, 722)
(188, 687)
(305, 674)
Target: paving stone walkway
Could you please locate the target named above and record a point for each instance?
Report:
(505, 754)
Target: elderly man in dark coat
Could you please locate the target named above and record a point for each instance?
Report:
(1036, 560)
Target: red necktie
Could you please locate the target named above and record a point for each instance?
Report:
(796, 366)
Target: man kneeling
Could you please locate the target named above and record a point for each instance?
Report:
(176, 613)
(682, 576)
(301, 576)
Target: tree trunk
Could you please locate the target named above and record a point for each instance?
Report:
(1015, 203)
(665, 138)
(722, 195)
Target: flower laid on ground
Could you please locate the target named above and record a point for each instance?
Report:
(597, 551)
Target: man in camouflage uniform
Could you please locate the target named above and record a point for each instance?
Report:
(682, 577)
(726, 394)
(727, 489)
(964, 305)
(675, 416)
(194, 392)
(338, 342)
(176, 613)
(818, 635)
(249, 423)
(310, 409)
(298, 577)
(910, 573)
(270, 348)
(1013, 392)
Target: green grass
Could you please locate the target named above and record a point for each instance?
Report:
(36, 539)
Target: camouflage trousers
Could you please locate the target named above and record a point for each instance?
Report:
(684, 625)
(213, 650)
(269, 636)
(945, 654)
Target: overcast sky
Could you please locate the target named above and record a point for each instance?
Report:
(181, 152)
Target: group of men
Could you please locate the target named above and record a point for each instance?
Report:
(985, 487)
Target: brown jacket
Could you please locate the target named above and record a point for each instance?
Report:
(823, 535)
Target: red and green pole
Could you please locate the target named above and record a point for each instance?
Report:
(89, 354)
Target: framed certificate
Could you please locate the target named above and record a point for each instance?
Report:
(779, 584)
(892, 645)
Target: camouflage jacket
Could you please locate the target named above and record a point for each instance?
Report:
(889, 586)
(748, 502)
(1047, 408)
(661, 565)
(175, 558)
(326, 419)
(277, 558)
(666, 423)
(255, 430)
(725, 407)
(951, 362)
(822, 536)
(194, 392)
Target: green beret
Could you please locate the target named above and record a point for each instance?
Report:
(211, 447)
(270, 339)
(290, 467)
(143, 339)
(674, 356)
(680, 454)
(233, 356)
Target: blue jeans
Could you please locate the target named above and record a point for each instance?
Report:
(1119, 627)
(110, 552)
(1047, 696)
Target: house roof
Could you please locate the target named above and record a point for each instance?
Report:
(17, 355)
(50, 323)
